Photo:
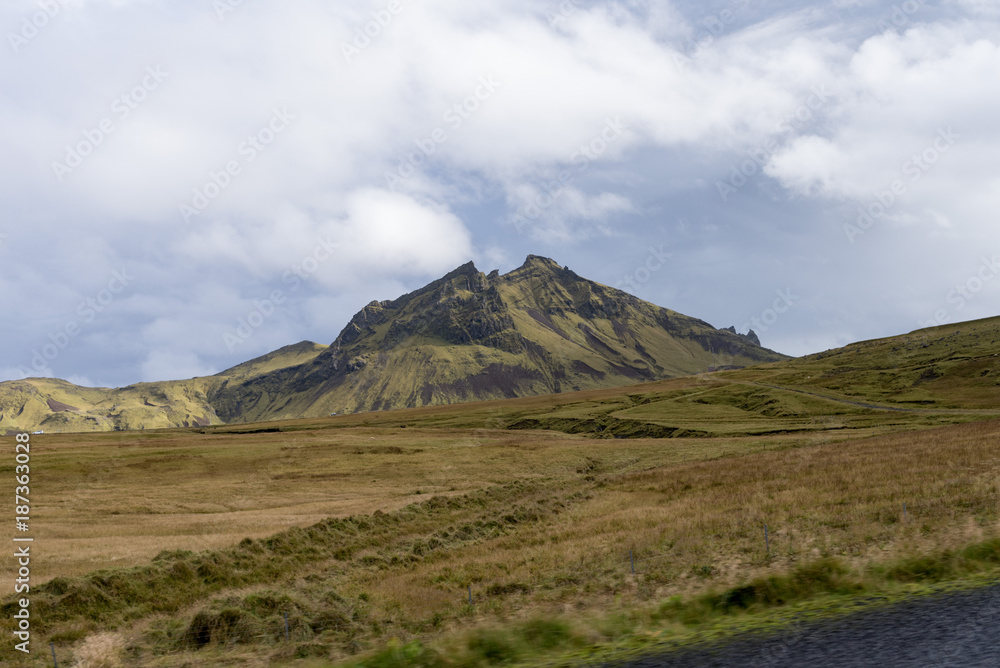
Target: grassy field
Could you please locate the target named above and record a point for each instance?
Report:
(575, 522)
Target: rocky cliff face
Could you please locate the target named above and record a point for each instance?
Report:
(750, 336)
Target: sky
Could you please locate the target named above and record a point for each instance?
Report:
(188, 184)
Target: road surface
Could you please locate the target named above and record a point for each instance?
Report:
(958, 630)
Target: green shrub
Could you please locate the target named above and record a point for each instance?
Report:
(988, 552)
(920, 568)
(493, 646)
(411, 655)
(825, 576)
(183, 571)
(266, 603)
(225, 627)
(545, 633)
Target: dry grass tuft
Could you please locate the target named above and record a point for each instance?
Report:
(101, 650)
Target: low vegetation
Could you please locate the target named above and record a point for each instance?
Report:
(468, 535)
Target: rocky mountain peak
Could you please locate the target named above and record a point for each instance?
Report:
(750, 336)
(540, 261)
(536, 265)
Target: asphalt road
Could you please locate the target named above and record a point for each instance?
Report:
(955, 631)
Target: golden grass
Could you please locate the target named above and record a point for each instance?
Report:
(692, 511)
(702, 523)
(111, 500)
(101, 650)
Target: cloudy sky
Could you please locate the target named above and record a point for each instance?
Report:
(827, 170)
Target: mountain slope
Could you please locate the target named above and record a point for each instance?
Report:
(49, 404)
(928, 378)
(470, 336)
(467, 336)
(950, 366)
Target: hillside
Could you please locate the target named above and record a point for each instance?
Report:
(468, 336)
(952, 366)
(931, 377)
(55, 405)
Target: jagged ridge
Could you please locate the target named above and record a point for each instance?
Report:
(470, 336)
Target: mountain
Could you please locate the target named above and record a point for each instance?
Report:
(470, 336)
(467, 336)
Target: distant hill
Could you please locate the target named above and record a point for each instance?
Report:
(56, 405)
(951, 366)
(468, 336)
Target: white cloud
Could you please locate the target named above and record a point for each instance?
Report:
(395, 234)
(82, 381)
(169, 365)
(914, 108)
(983, 8)
(565, 214)
(529, 96)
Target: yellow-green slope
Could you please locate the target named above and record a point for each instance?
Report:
(952, 367)
(469, 336)
(47, 404)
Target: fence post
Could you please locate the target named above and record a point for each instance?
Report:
(288, 637)
(631, 558)
(52, 645)
(904, 513)
(470, 596)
